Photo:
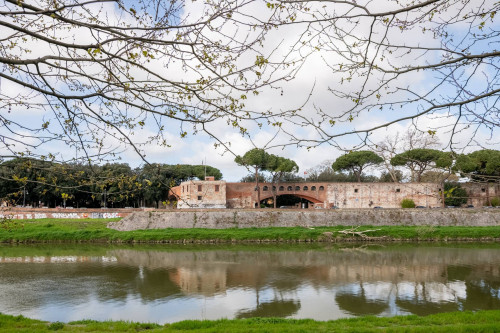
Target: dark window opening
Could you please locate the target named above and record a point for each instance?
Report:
(355, 190)
(199, 197)
(398, 190)
(297, 188)
(274, 188)
(313, 188)
(289, 188)
(321, 188)
(305, 188)
(265, 188)
(282, 188)
(199, 188)
(217, 188)
(483, 190)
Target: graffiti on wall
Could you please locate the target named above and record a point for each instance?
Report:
(30, 216)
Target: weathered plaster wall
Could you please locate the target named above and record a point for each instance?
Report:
(326, 195)
(481, 194)
(387, 195)
(202, 194)
(222, 219)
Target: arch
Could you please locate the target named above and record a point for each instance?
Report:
(282, 188)
(307, 197)
(274, 188)
(313, 188)
(297, 188)
(265, 188)
(321, 188)
(305, 188)
(289, 188)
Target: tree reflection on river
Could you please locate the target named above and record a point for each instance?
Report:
(166, 284)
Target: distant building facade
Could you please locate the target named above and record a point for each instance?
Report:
(221, 194)
(209, 193)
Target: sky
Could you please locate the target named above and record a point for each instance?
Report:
(319, 88)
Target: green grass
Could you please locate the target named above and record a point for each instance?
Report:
(481, 321)
(94, 230)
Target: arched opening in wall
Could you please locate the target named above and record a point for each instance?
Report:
(287, 201)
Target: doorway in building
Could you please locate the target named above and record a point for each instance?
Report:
(287, 201)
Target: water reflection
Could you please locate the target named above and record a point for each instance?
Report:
(171, 284)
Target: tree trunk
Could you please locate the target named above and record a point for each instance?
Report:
(442, 194)
(257, 187)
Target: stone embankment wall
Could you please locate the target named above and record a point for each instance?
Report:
(222, 219)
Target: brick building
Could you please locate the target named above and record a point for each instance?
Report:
(220, 194)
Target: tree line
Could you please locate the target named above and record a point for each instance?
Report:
(421, 165)
(32, 182)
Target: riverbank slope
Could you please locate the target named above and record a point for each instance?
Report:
(95, 231)
(481, 321)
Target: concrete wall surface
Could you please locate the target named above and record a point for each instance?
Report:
(222, 219)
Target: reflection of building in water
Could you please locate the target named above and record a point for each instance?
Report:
(198, 280)
(393, 273)
(56, 259)
(432, 291)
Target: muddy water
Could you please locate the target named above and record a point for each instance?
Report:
(167, 284)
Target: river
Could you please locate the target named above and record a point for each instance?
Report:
(171, 283)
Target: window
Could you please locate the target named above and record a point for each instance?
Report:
(483, 190)
(183, 189)
(398, 190)
(274, 188)
(282, 188)
(305, 188)
(313, 188)
(217, 188)
(297, 188)
(199, 188)
(265, 188)
(199, 197)
(289, 188)
(321, 188)
(355, 190)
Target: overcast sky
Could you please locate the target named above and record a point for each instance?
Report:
(313, 83)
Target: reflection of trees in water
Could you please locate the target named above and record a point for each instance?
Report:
(274, 308)
(154, 284)
(434, 280)
(356, 302)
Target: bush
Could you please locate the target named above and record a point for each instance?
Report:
(455, 195)
(407, 203)
(56, 326)
(495, 202)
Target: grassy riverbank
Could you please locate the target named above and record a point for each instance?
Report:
(94, 230)
(481, 321)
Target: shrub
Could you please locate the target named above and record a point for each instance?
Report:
(495, 201)
(455, 195)
(56, 326)
(407, 203)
